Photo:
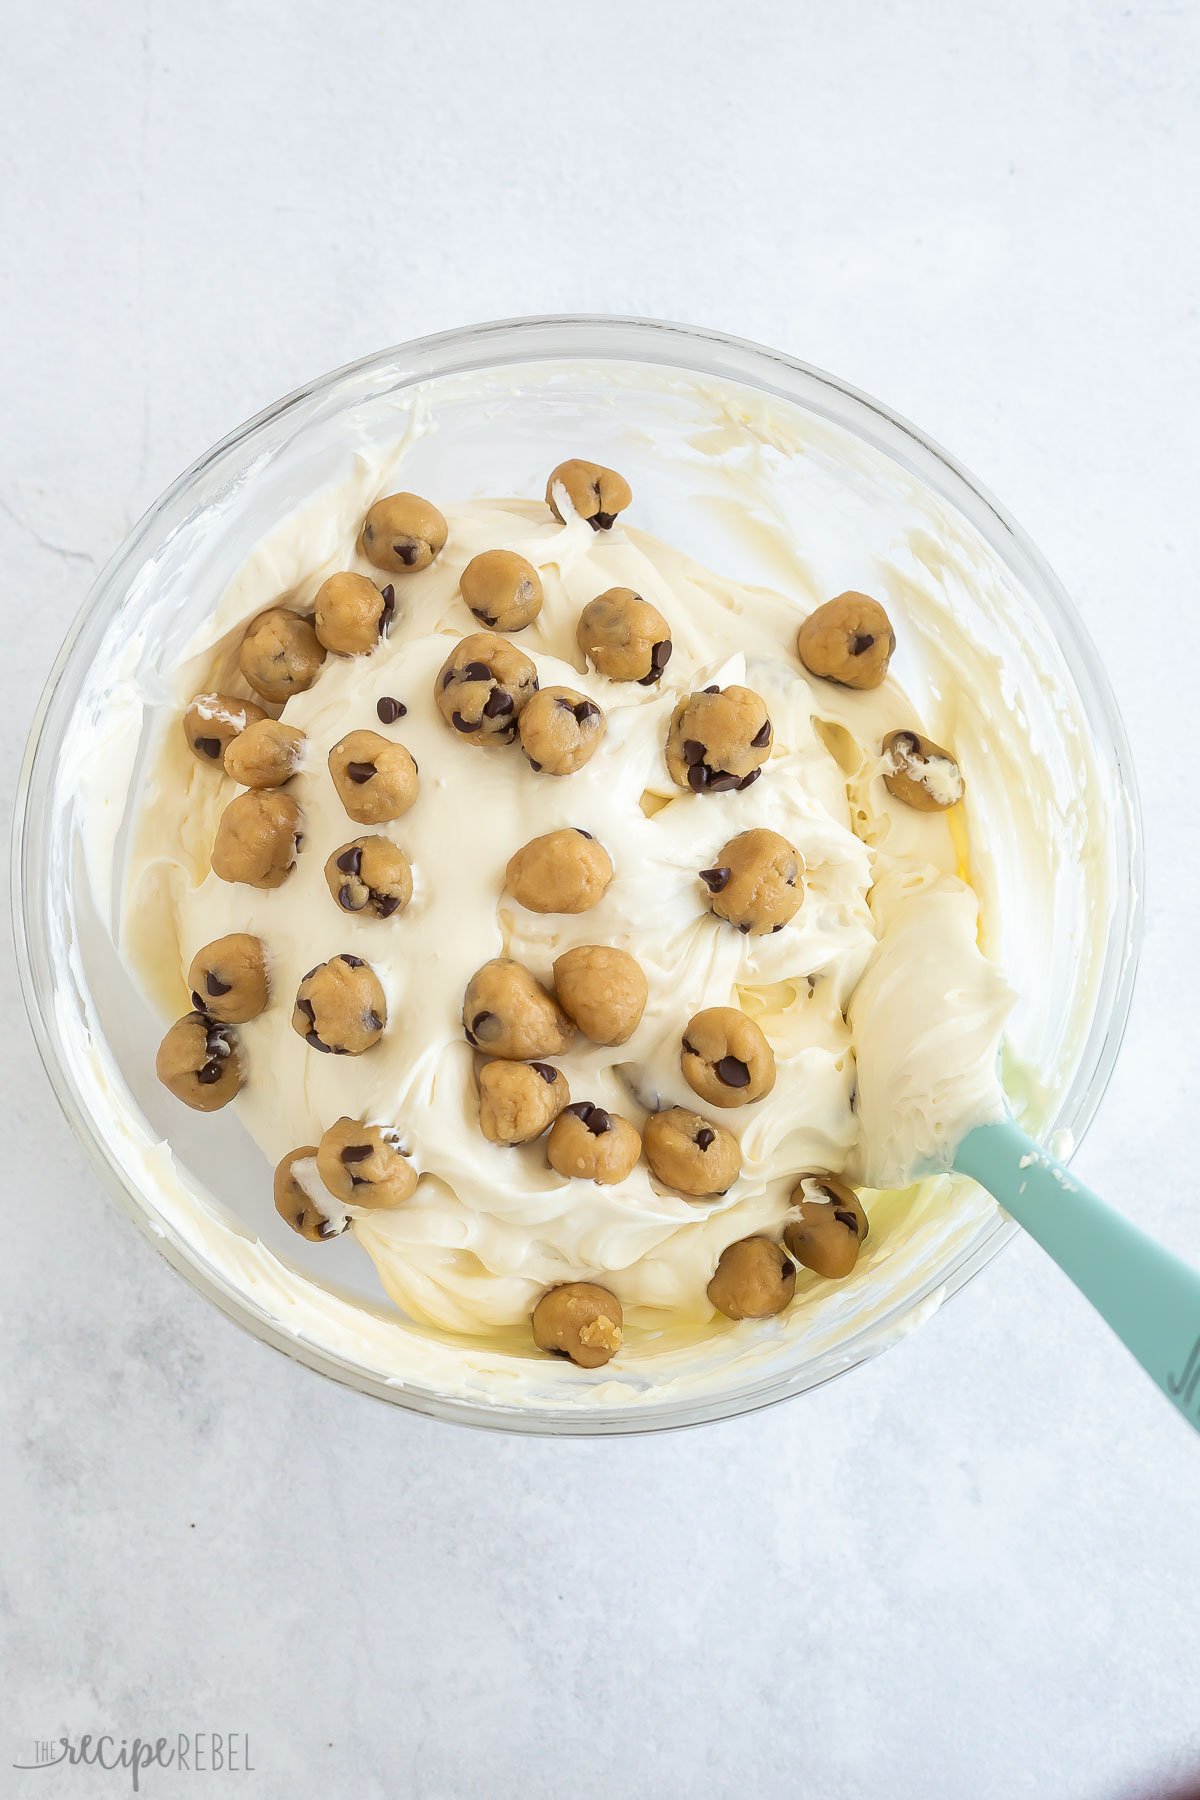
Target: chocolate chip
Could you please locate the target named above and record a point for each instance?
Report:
(846, 1218)
(860, 642)
(745, 930)
(716, 879)
(479, 1021)
(461, 724)
(776, 928)
(722, 782)
(215, 985)
(714, 689)
(356, 1153)
(360, 772)
(545, 1071)
(580, 1108)
(475, 671)
(733, 1072)
(602, 521)
(390, 710)
(197, 1001)
(385, 904)
(350, 861)
(698, 777)
(761, 737)
(535, 765)
(484, 618)
(351, 962)
(408, 553)
(346, 899)
(693, 751)
(586, 709)
(388, 595)
(374, 1022)
(748, 780)
(583, 833)
(690, 1048)
(306, 1007)
(705, 1136)
(209, 746)
(209, 1073)
(498, 704)
(660, 656)
(311, 1038)
(598, 1121)
(447, 678)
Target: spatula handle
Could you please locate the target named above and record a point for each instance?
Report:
(1149, 1297)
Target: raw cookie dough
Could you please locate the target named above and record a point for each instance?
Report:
(295, 1202)
(280, 654)
(214, 721)
(364, 1165)
(579, 1320)
(690, 1153)
(518, 1101)
(340, 1007)
(756, 883)
(831, 1227)
(916, 771)
(228, 978)
(566, 871)
(502, 589)
(507, 1013)
(403, 533)
(725, 1057)
(754, 1280)
(200, 1061)
(352, 614)
(265, 755)
(587, 1143)
(719, 740)
(560, 730)
(603, 989)
(848, 640)
(370, 874)
(624, 637)
(482, 688)
(376, 779)
(257, 839)
(595, 493)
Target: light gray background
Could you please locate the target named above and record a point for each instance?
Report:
(967, 1570)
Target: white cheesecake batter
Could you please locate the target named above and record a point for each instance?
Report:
(884, 1016)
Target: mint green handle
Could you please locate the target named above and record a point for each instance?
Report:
(1149, 1297)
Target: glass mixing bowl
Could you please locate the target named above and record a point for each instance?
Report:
(488, 410)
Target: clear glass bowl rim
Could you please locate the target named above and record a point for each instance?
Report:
(586, 338)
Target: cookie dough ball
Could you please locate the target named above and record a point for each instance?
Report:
(363, 1165)
(294, 1201)
(257, 839)
(588, 1144)
(265, 755)
(370, 874)
(603, 990)
(754, 1280)
(848, 640)
(376, 780)
(340, 1007)
(756, 883)
(565, 871)
(483, 686)
(228, 978)
(624, 637)
(403, 533)
(597, 494)
(916, 771)
(280, 654)
(831, 1227)
(502, 590)
(352, 614)
(688, 1153)
(507, 1013)
(726, 1059)
(579, 1320)
(214, 721)
(560, 731)
(518, 1101)
(200, 1060)
(719, 740)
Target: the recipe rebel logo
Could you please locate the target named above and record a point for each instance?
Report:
(197, 1753)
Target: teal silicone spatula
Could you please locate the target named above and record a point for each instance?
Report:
(1149, 1297)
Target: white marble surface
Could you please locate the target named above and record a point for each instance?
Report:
(967, 1569)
